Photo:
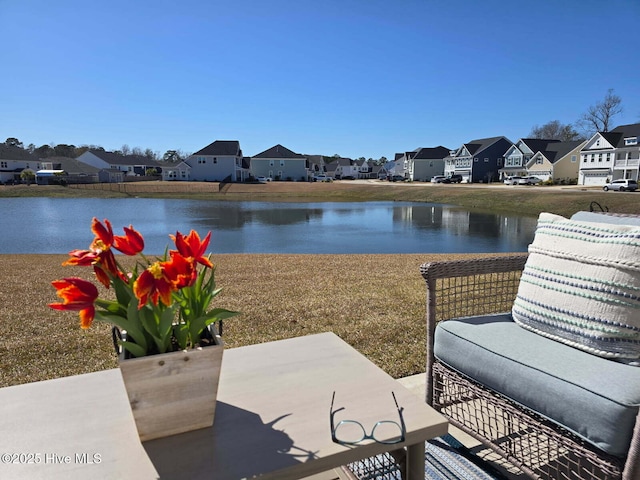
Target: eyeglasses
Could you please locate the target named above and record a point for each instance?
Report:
(352, 432)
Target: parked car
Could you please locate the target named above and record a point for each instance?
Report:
(438, 179)
(529, 181)
(626, 185)
(263, 179)
(455, 178)
(398, 178)
(321, 178)
(512, 180)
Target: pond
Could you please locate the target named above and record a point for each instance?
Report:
(56, 225)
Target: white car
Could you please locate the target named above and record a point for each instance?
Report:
(529, 181)
(321, 178)
(624, 185)
(438, 179)
(512, 180)
(263, 179)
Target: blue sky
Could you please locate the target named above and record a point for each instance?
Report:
(354, 77)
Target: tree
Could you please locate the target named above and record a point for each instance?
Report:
(13, 142)
(44, 151)
(555, 130)
(598, 117)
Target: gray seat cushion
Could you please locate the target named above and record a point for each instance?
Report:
(596, 398)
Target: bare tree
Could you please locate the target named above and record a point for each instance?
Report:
(555, 130)
(598, 117)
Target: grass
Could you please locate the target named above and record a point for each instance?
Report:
(376, 303)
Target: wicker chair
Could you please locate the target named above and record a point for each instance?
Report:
(539, 447)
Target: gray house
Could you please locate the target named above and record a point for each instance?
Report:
(129, 165)
(219, 161)
(280, 163)
(424, 163)
(478, 160)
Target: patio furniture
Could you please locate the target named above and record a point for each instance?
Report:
(547, 407)
(272, 420)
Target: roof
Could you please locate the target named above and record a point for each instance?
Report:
(557, 150)
(480, 144)
(432, 153)
(70, 165)
(279, 152)
(538, 144)
(117, 159)
(222, 148)
(16, 153)
(617, 135)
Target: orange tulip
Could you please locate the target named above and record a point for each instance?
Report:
(131, 243)
(154, 284)
(77, 295)
(192, 248)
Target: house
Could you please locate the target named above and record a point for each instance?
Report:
(478, 160)
(559, 162)
(424, 163)
(13, 160)
(343, 168)
(57, 170)
(130, 165)
(217, 162)
(519, 154)
(397, 166)
(280, 163)
(610, 156)
(364, 167)
(317, 165)
(181, 171)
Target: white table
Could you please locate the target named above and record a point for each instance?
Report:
(272, 420)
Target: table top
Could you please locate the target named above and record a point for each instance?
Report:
(272, 419)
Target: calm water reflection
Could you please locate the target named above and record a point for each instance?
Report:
(50, 225)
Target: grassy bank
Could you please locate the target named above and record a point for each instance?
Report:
(374, 302)
(494, 197)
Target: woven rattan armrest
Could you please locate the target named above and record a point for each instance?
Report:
(463, 288)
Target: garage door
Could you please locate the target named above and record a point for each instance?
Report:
(594, 178)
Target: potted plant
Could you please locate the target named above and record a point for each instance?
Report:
(169, 348)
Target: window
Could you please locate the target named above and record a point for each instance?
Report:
(215, 160)
(3, 165)
(539, 161)
(608, 157)
(271, 163)
(486, 160)
(574, 158)
(631, 141)
(592, 158)
(500, 161)
(282, 163)
(599, 157)
(475, 159)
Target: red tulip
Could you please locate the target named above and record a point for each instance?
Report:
(77, 295)
(192, 248)
(131, 243)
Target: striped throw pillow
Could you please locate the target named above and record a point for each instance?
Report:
(581, 286)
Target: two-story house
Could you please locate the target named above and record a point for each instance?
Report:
(128, 165)
(478, 160)
(13, 160)
(611, 155)
(342, 168)
(426, 162)
(559, 161)
(280, 163)
(219, 161)
(519, 154)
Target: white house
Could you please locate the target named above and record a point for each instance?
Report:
(611, 155)
(424, 163)
(180, 171)
(130, 165)
(217, 162)
(13, 160)
(280, 163)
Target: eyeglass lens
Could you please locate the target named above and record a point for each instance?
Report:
(350, 431)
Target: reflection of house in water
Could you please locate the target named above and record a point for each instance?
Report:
(285, 216)
(464, 223)
(236, 215)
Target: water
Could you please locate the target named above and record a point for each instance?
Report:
(54, 225)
